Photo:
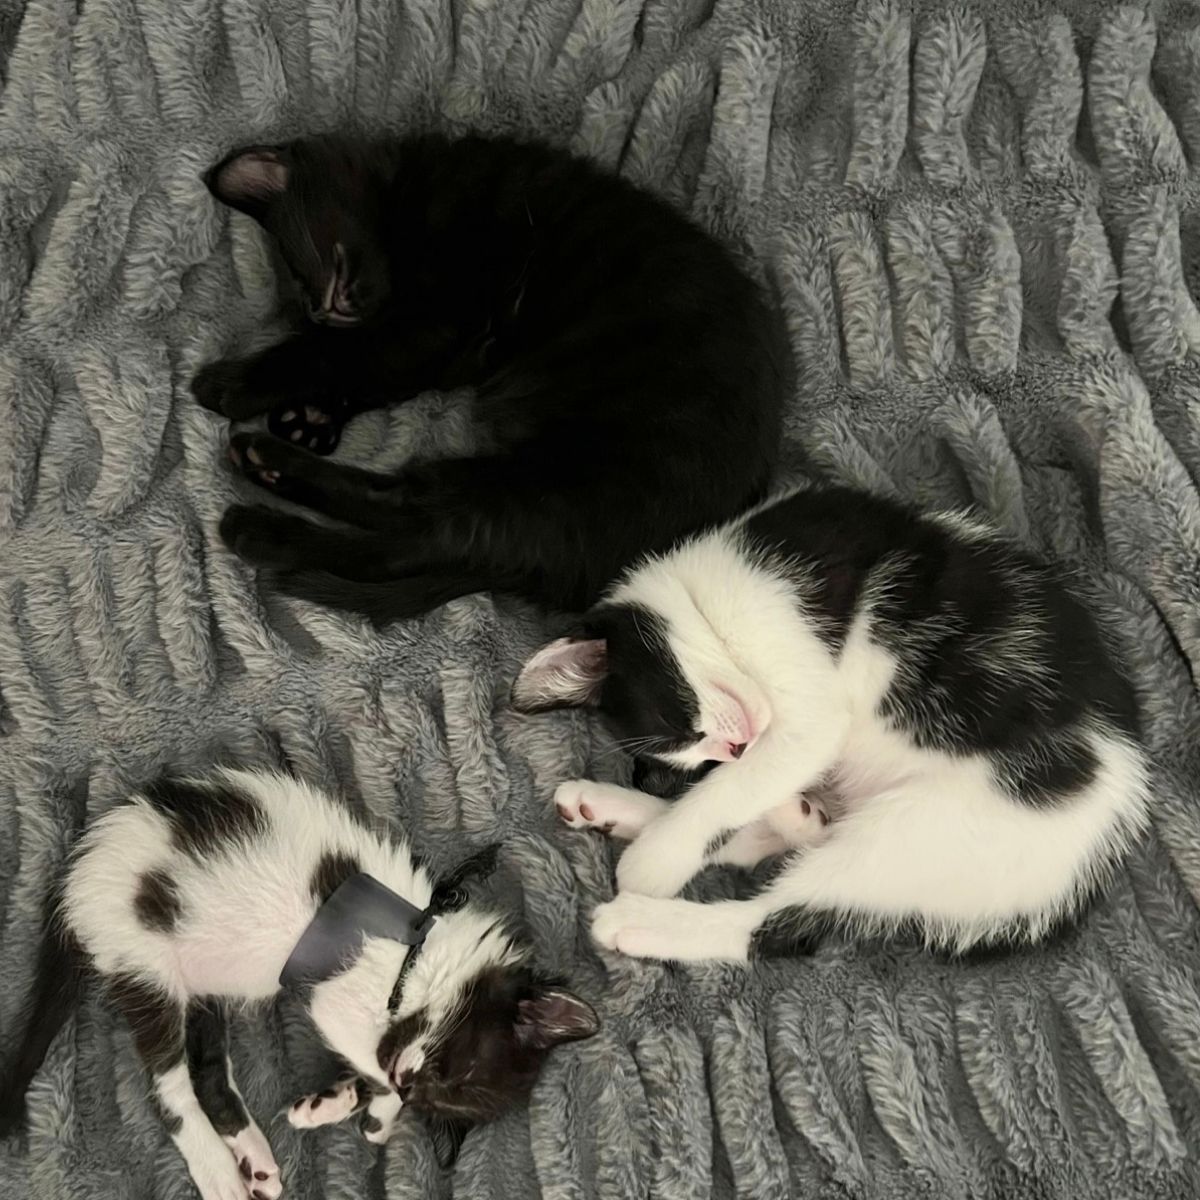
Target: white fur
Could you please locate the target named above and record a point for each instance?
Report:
(918, 833)
(244, 908)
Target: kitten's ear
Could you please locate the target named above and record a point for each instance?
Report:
(250, 180)
(553, 1015)
(565, 674)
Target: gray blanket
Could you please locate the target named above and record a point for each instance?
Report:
(984, 225)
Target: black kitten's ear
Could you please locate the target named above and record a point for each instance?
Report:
(567, 673)
(553, 1015)
(250, 180)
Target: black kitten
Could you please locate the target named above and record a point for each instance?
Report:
(628, 375)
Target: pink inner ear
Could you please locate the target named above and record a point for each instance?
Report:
(567, 671)
(255, 177)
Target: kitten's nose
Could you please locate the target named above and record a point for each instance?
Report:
(737, 749)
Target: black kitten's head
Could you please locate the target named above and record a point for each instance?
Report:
(663, 691)
(480, 1053)
(323, 202)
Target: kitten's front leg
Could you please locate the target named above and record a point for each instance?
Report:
(301, 369)
(677, 845)
(678, 930)
(349, 1095)
(619, 811)
(379, 1121)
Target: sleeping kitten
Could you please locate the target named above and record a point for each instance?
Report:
(193, 896)
(627, 374)
(910, 703)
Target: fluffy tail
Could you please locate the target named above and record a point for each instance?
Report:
(55, 991)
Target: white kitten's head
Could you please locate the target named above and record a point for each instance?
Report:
(661, 693)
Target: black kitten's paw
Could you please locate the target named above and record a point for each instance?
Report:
(222, 387)
(315, 427)
(265, 538)
(264, 459)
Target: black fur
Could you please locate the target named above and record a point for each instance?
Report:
(207, 1047)
(157, 902)
(204, 816)
(156, 1020)
(628, 375)
(647, 690)
(493, 1053)
(950, 603)
(332, 871)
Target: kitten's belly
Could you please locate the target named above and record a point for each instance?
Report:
(239, 958)
(210, 970)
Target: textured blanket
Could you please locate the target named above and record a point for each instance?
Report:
(984, 224)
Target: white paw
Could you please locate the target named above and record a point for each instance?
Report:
(676, 930)
(802, 822)
(256, 1164)
(633, 925)
(327, 1107)
(379, 1121)
(618, 811)
(216, 1171)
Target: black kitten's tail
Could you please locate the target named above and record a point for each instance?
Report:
(57, 977)
(392, 600)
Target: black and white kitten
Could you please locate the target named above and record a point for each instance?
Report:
(192, 896)
(910, 703)
(628, 375)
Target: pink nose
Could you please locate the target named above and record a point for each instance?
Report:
(737, 749)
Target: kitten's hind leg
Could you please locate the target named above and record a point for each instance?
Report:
(157, 1021)
(799, 823)
(268, 538)
(619, 811)
(363, 498)
(212, 1077)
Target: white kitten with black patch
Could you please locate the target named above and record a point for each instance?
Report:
(193, 896)
(912, 704)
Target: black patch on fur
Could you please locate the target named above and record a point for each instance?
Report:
(997, 657)
(171, 1122)
(627, 398)
(480, 1065)
(1058, 769)
(644, 695)
(333, 869)
(207, 1057)
(206, 816)
(718, 842)
(155, 1019)
(371, 1124)
(657, 778)
(157, 902)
